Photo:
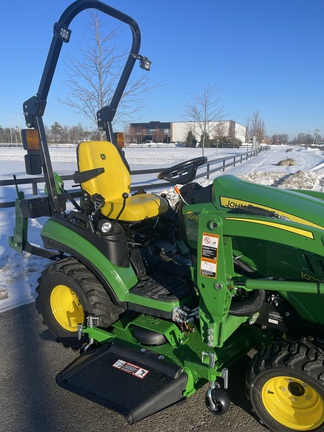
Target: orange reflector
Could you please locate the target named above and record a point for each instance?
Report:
(119, 139)
(177, 190)
(30, 139)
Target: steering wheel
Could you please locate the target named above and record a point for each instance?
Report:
(184, 172)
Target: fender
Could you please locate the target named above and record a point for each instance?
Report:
(116, 279)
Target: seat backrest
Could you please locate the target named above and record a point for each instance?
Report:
(103, 154)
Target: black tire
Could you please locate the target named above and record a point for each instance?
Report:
(285, 383)
(220, 399)
(67, 293)
(249, 305)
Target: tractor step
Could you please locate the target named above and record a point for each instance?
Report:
(134, 383)
(163, 287)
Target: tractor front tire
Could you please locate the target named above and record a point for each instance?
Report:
(285, 384)
(67, 293)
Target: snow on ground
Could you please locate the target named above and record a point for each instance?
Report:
(19, 273)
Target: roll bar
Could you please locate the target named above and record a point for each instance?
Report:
(34, 107)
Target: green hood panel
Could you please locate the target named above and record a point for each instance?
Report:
(231, 193)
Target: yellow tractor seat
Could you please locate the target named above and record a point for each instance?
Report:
(115, 182)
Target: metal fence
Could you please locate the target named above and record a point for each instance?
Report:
(206, 170)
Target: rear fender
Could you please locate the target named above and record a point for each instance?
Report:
(117, 280)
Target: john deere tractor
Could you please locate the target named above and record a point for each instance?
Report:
(164, 300)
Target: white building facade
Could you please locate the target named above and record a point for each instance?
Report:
(226, 128)
(157, 131)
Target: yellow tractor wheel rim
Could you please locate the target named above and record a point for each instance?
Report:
(66, 308)
(293, 403)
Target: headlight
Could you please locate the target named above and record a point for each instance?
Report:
(104, 226)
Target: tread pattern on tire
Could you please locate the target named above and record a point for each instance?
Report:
(101, 304)
(300, 356)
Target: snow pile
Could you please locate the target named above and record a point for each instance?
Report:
(299, 180)
(287, 162)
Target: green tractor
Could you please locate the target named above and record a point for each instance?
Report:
(165, 300)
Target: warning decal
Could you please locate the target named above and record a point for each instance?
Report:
(130, 368)
(209, 248)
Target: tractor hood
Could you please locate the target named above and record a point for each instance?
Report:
(302, 206)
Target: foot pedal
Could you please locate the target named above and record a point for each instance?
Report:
(134, 383)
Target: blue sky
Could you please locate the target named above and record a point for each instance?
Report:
(264, 55)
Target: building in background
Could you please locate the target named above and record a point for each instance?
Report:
(154, 131)
(166, 132)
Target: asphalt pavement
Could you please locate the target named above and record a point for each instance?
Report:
(30, 399)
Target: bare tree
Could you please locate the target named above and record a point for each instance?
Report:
(301, 138)
(205, 111)
(256, 127)
(93, 76)
(283, 138)
(221, 130)
(316, 136)
(158, 135)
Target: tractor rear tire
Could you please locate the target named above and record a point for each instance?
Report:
(67, 293)
(285, 384)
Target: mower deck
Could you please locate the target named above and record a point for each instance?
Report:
(134, 383)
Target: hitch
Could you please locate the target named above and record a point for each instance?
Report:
(92, 322)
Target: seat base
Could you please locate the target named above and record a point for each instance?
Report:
(137, 208)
